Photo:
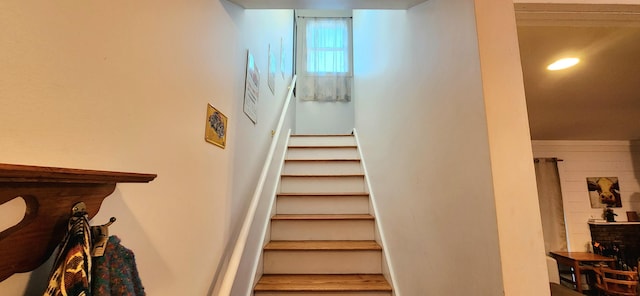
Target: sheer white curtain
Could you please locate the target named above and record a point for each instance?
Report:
(551, 209)
(324, 59)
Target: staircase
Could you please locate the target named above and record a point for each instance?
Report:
(322, 235)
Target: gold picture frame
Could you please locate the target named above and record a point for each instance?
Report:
(215, 131)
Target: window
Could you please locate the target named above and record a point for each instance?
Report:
(324, 58)
(327, 42)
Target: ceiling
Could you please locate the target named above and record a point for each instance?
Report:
(599, 99)
(328, 4)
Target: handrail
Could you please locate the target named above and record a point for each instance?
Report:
(236, 254)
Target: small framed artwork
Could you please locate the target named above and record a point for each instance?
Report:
(215, 131)
(282, 65)
(604, 192)
(271, 79)
(252, 89)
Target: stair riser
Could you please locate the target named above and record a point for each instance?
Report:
(322, 153)
(322, 168)
(322, 230)
(322, 262)
(322, 184)
(322, 205)
(323, 294)
(322, 141)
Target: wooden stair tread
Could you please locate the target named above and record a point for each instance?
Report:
(294, 194)
(322, 283)
(323, 160)
(335, 135)
(322, 175)
(307, 146)
(323, 246)
(322, 217)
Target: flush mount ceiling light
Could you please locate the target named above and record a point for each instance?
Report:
(563, 64)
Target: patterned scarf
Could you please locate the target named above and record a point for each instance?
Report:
(71, 275)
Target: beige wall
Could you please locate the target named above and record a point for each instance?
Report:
(122, 85)
(442, 118)
(516, 199)
(421, 119)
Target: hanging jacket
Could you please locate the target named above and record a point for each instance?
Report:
(115, 273)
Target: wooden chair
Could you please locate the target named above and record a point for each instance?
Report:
(616, 282)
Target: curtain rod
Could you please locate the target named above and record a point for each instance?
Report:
(338, 17)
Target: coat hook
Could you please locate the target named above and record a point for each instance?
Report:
(80, 207)
(100, 236)
(111, 220)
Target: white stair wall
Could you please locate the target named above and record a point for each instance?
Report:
(346, 140)
(293, 230)
(322, 204)
(322, 184)
(322, 167)
(322, 262)
(322, 153)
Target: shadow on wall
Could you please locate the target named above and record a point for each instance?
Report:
(635, 201)
(39, 276)
(635, 159)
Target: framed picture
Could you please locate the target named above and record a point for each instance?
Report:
(215, 131)
(271, 80)
(252, 89)
(632, 216)
(282, 57)
(604, 192)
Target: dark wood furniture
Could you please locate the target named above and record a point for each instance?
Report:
(625, 236)
(559, 290)
(579, 262)
(49, 194)
(613, 282)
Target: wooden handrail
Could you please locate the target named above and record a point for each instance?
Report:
(49, 194)
(241, 242)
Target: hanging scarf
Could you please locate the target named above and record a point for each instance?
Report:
(71, 275)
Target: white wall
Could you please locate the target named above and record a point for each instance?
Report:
(450, 167)
(124, 86)
(582, 159)
(324, 118)
(423, 132)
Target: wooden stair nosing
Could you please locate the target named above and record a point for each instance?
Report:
(323, 283)
(334, 135)
(321, 217)
(307, 146)
(331, 194)
(324, 160)
(359, 175)
(327, 245)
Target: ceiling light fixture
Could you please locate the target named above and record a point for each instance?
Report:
(563, 64)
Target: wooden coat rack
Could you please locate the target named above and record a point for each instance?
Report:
(49, 194)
